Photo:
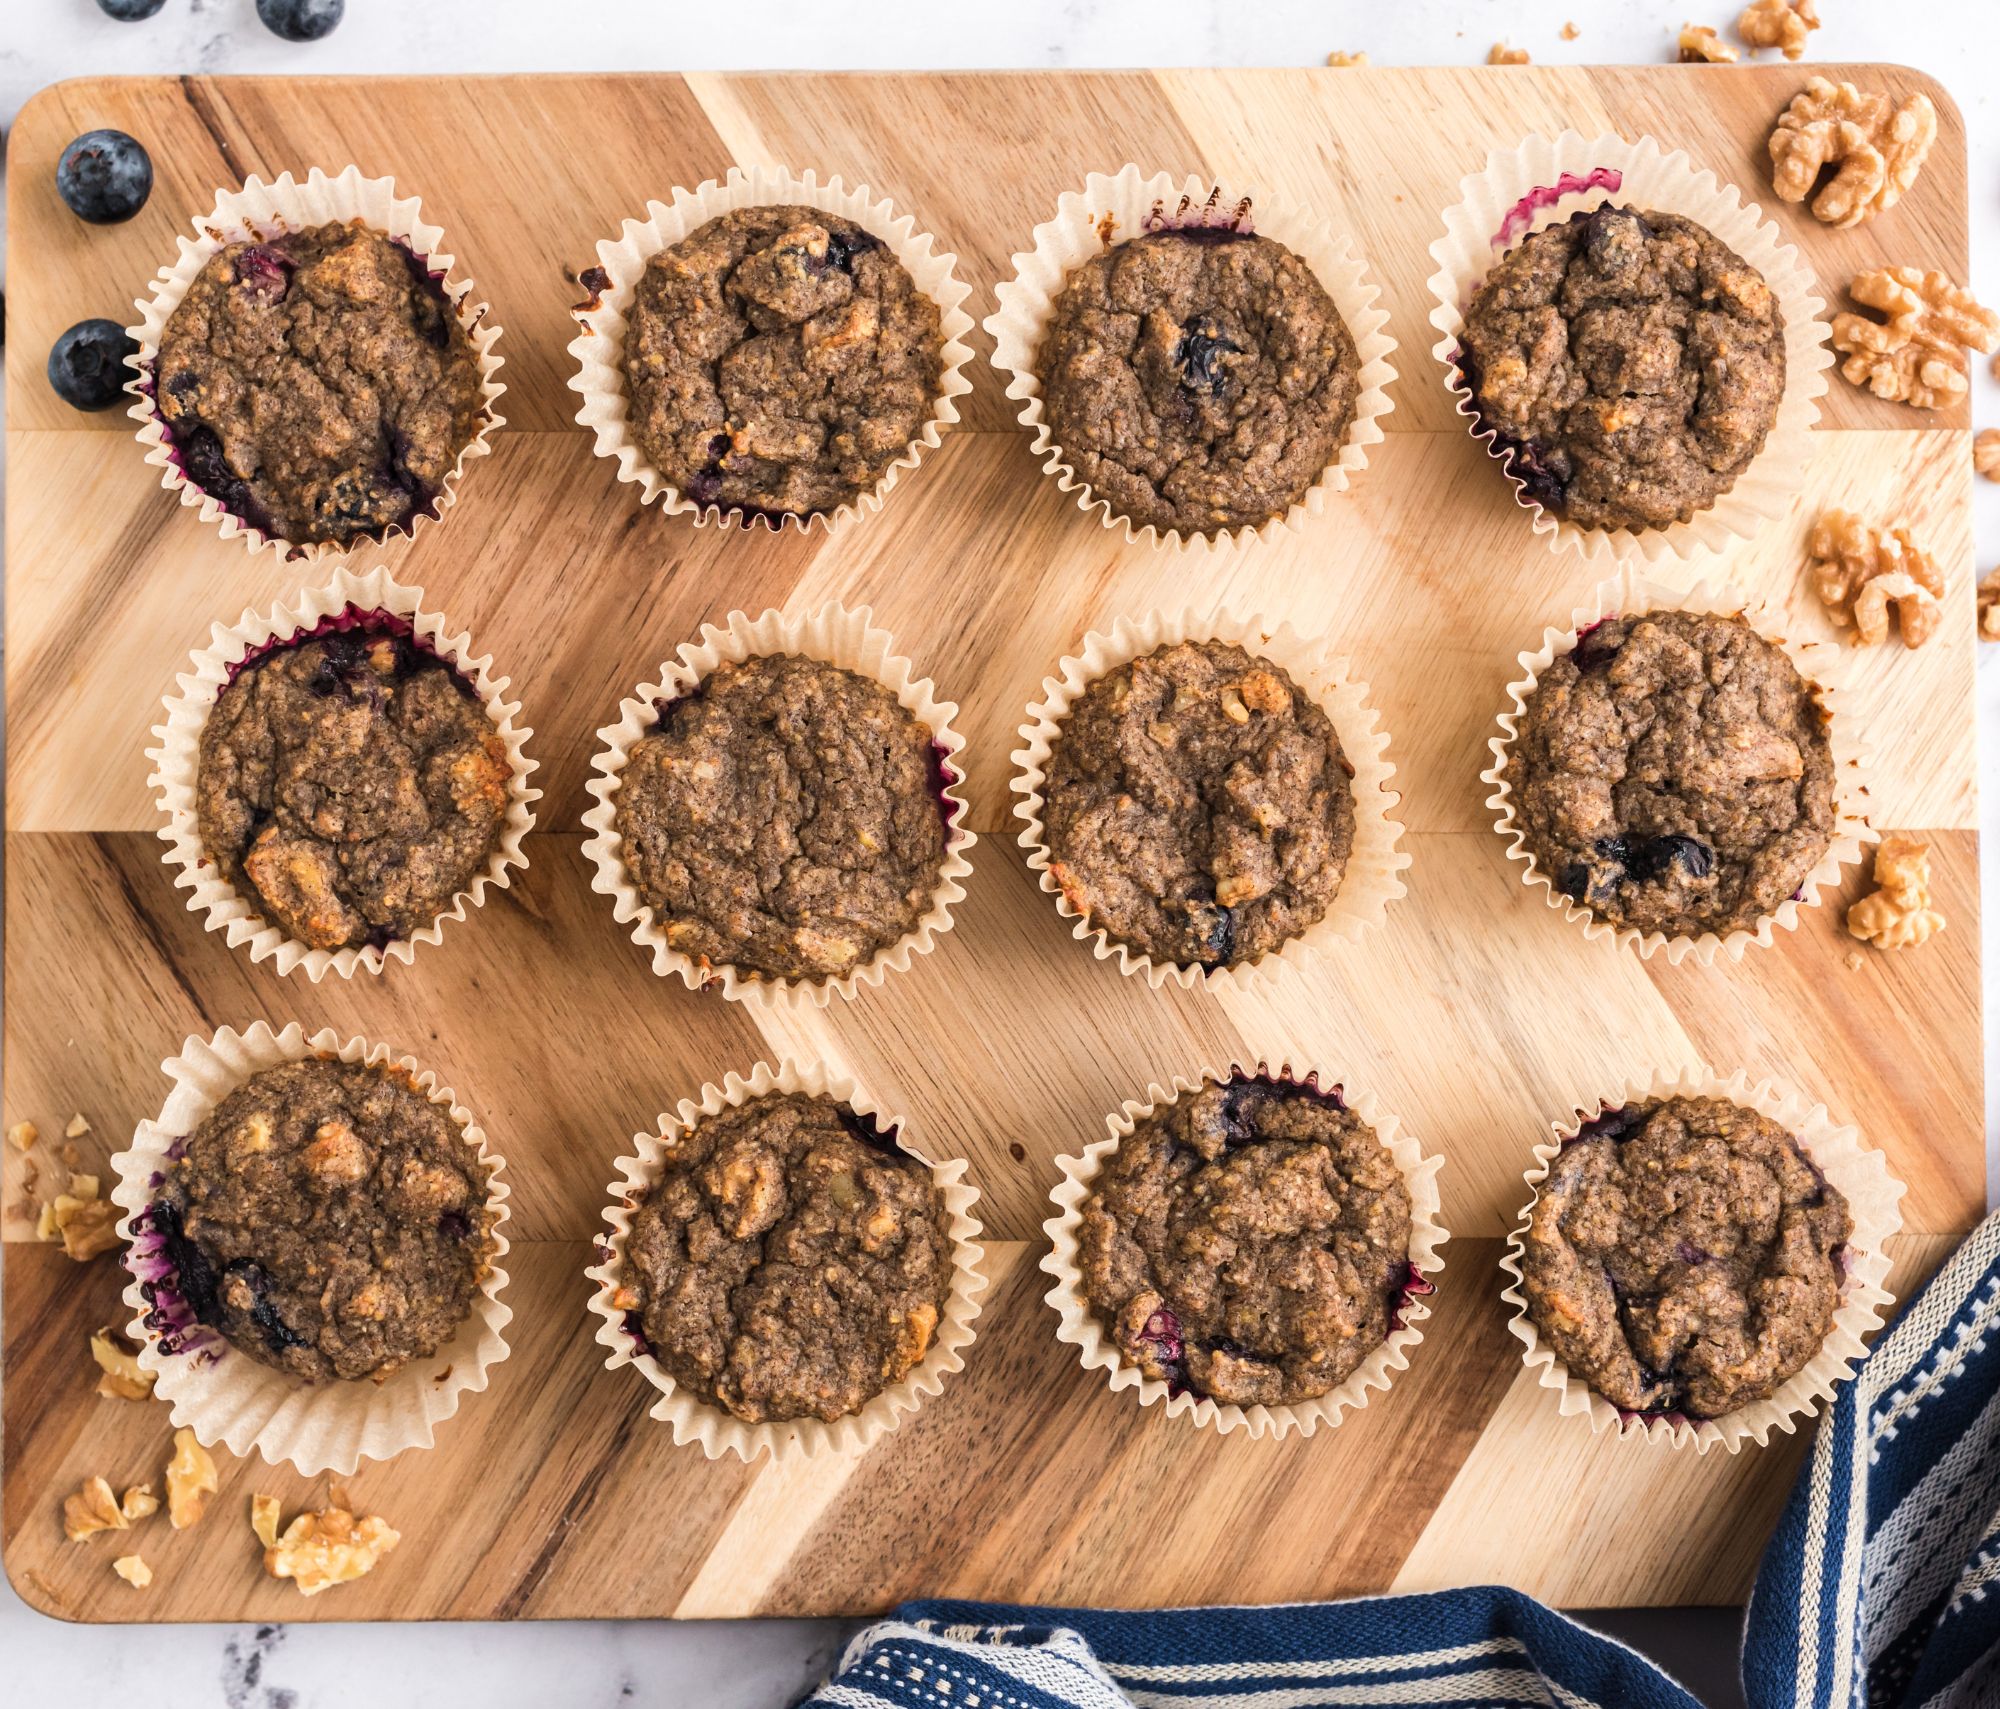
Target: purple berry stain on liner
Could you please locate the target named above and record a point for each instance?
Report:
(1199, 222)
(1522, 214)
(352, 619)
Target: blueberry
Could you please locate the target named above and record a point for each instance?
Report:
(87, 366)
(129, 11)
(1198, 356)
(104, 177)
(1214, 929)
(1594, 650)
(841, 251)
(1163, 1335)
(1615, 1125)
(301, 20)
(264, 273)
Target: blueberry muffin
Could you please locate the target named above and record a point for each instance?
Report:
(1631, 362)
(1198, 806)
(318, 385)
(1672, 773)
(1249, 1243)
(1199, 379)
(791, 1261)
(1684, 1256)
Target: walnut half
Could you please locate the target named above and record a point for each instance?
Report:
(1898, 913)
(1916, 355)
(320, 1549)
(1860, 572)
(1783, 24)
(1878, 146)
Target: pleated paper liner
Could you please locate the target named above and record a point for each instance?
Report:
(599, 348)
(1873, 1196)
(1823, 666)
(1544, 182)
(834, 635)
(225, 1396)
(1373, 878)
(261, 211)
(694, 1420)
(348, 600)
(1080, 1328)
(1113, 208)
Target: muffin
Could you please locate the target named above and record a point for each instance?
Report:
(327, 1219)
(1630, 362)
(349, 783)
(1672, 773)
(1198, 806)
(319, 385)
(785, 817)
(1684, 1256)
(1249, 1242)
(1198, 379)
(790, 1262)
(778, 360)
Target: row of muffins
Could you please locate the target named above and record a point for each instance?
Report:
(770, 349)
(316, 1255)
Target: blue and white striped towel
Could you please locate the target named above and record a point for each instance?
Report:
(1881, 1588)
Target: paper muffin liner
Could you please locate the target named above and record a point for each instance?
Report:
(1873, 1196)
(1823, 666)
(835, 635)
(1081, 1330)
(1373, 878)
(599, 348)
(261, 211)
(176, 759)
(225, 1396)
(1544, 182)
(1111, 209)
(695, 1420)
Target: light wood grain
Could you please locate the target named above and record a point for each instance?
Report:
(1475, 1013)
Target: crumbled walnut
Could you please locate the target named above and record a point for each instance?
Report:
(191, 1480)
(319, 1549)
(1338, 58)
(1898, 914)
(139, 1502)
(1569, 32)
(1859, 571)
(133, 1571)
(1916, 356)
(1700, 45)
(77, 1127)
(94, 1508)
(22, 1135)
(1501, 54)
(1779, 23)
(124, 1377)
(1878, 146)
(85, 1224)
(1986, 453)
(1989, 607)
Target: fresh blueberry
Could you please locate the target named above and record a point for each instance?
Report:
(1198, 356)
(301, 20)
(129, 11)
(87, 366)
(104, 177)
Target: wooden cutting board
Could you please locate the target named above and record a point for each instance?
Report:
(1476, 1013)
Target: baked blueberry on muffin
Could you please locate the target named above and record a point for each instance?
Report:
(326, 1219)
(350, 783)
(1630, 361)
(318, 385)
(1249, 1243)
(1199, 379)
(1198, 806)
(1684, 1256)
(778, 360)
(790, 1262)
(785, 818)
(1672, 773)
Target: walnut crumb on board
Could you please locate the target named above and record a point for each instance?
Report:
(1782, 24)
(123, 1377)
(1916, 354)
(1878, 146)
(1501, 54)
(191, 1480)
(1338, 58)
(94, 1508)
(133, 1570)
(84, 1223)
(320, 1549)
(1986, 453)
(1861, 572)
(77, 1127)
(1700, 45)
(22, 1136)
(1898, 914)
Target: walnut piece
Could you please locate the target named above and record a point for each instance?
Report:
(1338, 58)
(191, 1480)
(1986, 453)
(94, 1508)
(1700, 45)
(1860, 571)
(84, 1223)
(124, 1378)
(1781, 24)
(22, 1136)
(1989, 607)
(1879, 148)
(1898, 914)
(133, 1571)
(77, 1127)
(1501, 54)
(319, 1549)
(1569, 32)
(1917, 355)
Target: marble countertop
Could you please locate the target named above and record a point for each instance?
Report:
(766, 1664)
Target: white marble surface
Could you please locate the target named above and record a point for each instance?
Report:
(767, 1664)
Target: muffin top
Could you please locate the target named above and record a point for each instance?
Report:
(1632, 363)
(1672, 773)
(1198, 805)
(1684, 1256)
(791, 1261)
(328, 1219)
(784, 818)
(319, 384)
(1249, 1243)
(779, 359)
(350, 785)
(1198, 379)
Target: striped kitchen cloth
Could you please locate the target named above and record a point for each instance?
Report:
(1881, 1588)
